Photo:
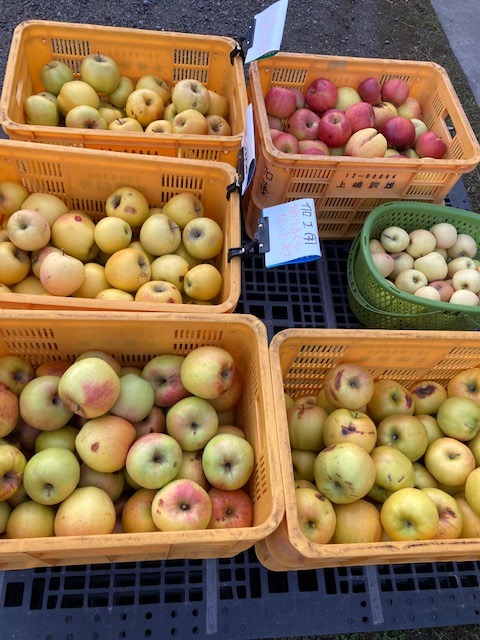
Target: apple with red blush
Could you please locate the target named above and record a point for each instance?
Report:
(430, 145)
(370, 91)
(321, 94)
(280, 102)
(399, 132)
(303, 124)
(361, 115)
(334, 129)
(286, 142)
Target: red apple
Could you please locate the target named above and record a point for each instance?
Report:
(361, 116)
(395, 90)
(370, 91)
(230, 508)
(399, 132)
(303, 124)
(280, 102)
(321, 94)
(430, 145)
(334, 129)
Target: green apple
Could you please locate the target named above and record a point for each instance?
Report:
(118, 97)
(345, 425)
(459, 417)
(41, 111)
(155, 83)
(344, 472)
(393, 471)
(51, 475)
(101, 72)
(135, 400)
(389, 397)
(303, 464)
(316, 515)
(449, 461)
(54, 74)
(41, 406)
(404, 432)
(305, 427)
(192, 421)
(85, 116)
(153, 460)
(61, 437)
(228, 461)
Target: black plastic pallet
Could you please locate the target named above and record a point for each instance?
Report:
(238, 599)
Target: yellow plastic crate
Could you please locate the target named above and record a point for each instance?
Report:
(83, 179)
(299, 360)
(173, 56)
(346, 189)
(41, 336)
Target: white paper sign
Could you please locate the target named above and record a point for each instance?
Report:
(293, 233)
(268, 31)
(248, 149)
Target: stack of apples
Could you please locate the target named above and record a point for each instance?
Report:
(379, 460)
(438, 263)
(370, 120)
(102, 98)
(94, 447)
(136, 252)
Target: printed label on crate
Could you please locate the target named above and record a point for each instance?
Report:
(293, 233)
(248, 149)
(264, 38)
(370, 184)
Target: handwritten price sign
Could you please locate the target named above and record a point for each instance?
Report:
(293, 233)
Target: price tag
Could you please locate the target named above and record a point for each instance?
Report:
(266, 33)
(293, 233)
(248, 149)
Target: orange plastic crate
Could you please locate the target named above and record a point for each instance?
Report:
(346, 189)
(83, 179)
(172, 56)
(299, 360)
(41, 336)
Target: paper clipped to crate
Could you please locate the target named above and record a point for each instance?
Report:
(264, 37)
(293, 233)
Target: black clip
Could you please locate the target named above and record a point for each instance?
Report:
(259, 245)
(237, 51)
(247, 39)
(234, 186)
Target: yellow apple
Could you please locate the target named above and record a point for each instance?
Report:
(203, 282)
(94, 282)
(75, 93)
(112, 234)
(145, 106)
(127, 269)
(183, 207)
(158, 291)
(15, 263)
(61, 274)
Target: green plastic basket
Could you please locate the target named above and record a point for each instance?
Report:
(377, 300)
(374, 318)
